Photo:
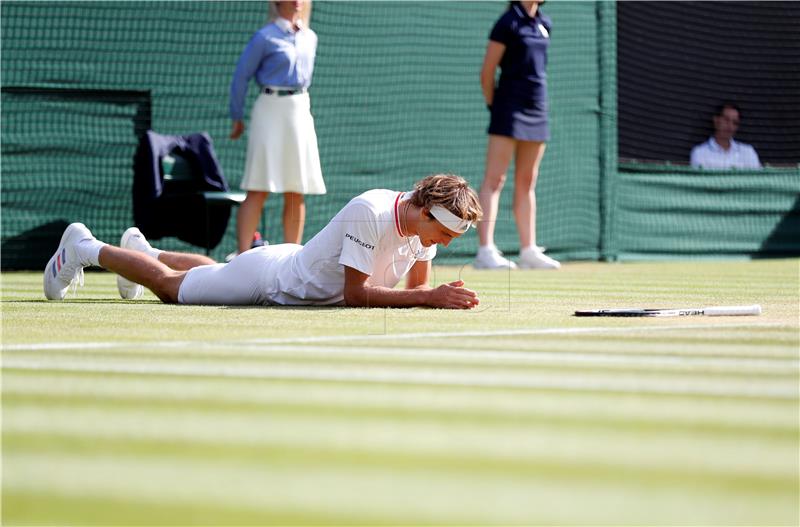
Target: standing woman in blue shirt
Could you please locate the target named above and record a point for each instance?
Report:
(282, 154)
(518, 128)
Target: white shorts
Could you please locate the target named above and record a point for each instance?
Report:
(282, 153)
(247, 280)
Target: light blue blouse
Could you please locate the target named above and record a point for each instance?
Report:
(276, 56)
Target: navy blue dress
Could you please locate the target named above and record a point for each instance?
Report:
(519, 108)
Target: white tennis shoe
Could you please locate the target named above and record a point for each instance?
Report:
(490, 257)
(65, 268)
(536, 259)
(132, 239)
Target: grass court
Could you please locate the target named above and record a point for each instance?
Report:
(516, 412)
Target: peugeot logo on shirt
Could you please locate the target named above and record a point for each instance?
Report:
(362, 244)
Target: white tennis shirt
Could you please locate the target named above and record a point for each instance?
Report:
(711, 155)
(364, 235)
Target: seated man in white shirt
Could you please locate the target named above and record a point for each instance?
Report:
(378, 238)
(721, 152)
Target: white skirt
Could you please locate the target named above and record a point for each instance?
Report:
(282, 153)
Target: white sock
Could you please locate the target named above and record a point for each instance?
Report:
(531, 248)
(484, 248)
(89, 251)
(153, 252)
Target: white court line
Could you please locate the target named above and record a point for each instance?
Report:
(504, 358)
(419, 376)
(378, 337)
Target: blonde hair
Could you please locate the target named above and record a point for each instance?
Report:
(451, 192)
(305, 12)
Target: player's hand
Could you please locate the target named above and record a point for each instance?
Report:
(453, 296)
(237, 129)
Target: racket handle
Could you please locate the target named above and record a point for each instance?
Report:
(732, 310)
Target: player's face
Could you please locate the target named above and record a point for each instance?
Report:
(431, 232)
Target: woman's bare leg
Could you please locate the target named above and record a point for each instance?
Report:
(498, 156)
(526, 171)
(247, 218)
(294, 217)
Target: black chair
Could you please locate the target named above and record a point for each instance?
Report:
(182, 179)
(179, 189)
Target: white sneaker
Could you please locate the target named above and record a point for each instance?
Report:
(536, 259)
(492, 258)
(65, 268)
(132, 239)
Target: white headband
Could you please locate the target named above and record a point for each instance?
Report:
(450, 220)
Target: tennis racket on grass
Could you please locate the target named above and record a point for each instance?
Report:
(719, 311)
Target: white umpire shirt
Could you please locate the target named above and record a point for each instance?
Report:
(711, 155)
(364, 235)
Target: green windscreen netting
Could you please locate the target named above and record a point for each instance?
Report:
(395, 97)
(668, 211)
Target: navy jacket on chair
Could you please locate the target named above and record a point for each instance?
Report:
(159, 210)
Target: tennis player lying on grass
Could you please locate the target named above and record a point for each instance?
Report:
(356, 260)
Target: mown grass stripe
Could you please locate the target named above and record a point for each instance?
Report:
(600, 471)
(532, 441)
(393, 336)
(625, 423)
(626, 362)
(425, 376)
(453, 401)
(398, 495)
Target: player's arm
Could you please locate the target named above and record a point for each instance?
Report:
(357, 293)
(418, 276)
(494, 52)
